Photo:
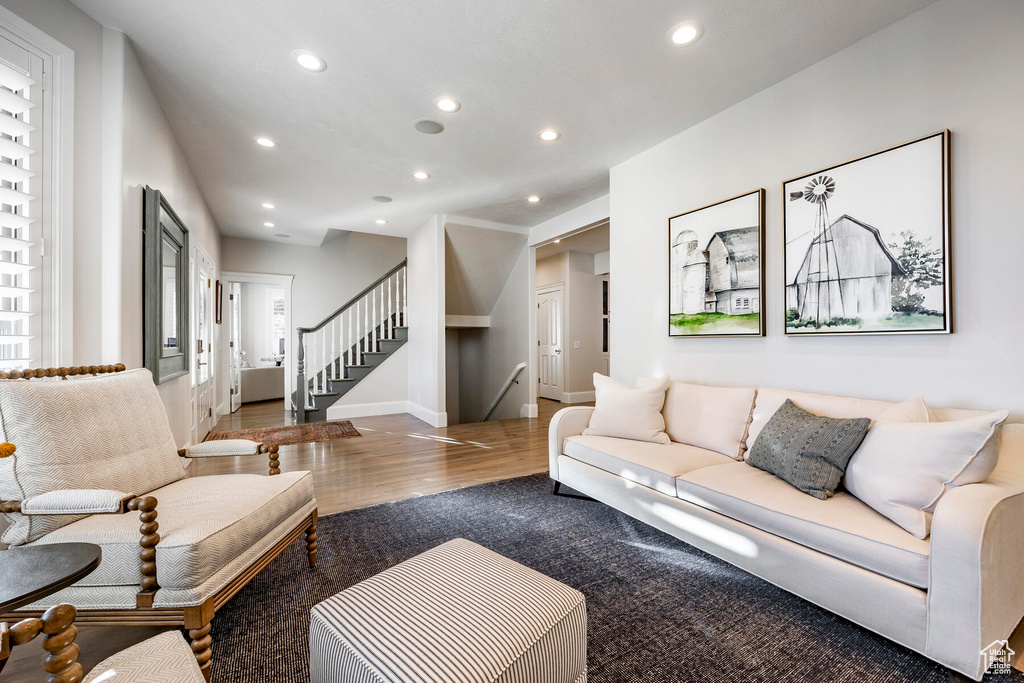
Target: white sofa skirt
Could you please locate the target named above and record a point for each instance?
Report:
(890, 608)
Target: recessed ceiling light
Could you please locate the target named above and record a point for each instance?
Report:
(447, 104)
(268, 205)
(558, 241)
(549, 135)
(282, 236)
(383, 199)
(429, 127)
(381, 221)
(421, 175)
(533, 199)
(686, 33)
(268, 225)
(265, 142)
(310, 61)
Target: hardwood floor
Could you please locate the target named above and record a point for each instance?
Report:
(397, 457)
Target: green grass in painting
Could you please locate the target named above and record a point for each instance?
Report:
(715, 323)
(890, 323)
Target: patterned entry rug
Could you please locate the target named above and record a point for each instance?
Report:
(327, 430)
(658, 609)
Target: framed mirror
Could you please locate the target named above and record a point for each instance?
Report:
(165, 281)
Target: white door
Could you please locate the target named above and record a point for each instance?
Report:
(549, 342)
(235, 344)
(202, 349)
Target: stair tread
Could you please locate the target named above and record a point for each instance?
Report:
(324, 393)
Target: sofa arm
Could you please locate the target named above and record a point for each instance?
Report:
(226, 447)
(77, 502)
(975, 595)
(565, 423)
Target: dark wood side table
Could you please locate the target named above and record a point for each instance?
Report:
(32, 573)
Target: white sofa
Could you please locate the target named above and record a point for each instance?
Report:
(947, 596)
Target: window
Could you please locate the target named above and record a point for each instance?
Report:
(604, 316)
(35, 78)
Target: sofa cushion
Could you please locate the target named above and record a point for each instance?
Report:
(770, 400)
(205, 522)
(628, 412)
(806, 450)
(840, 526)
(714, 418)
(105, 432)
(653, 465)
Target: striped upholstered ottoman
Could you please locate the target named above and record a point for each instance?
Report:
(458, 613)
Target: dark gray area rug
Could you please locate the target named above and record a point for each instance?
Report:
(657, 608)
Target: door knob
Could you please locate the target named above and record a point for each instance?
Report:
(558, 350)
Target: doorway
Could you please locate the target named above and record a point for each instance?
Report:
(550, 327)
(203, 272)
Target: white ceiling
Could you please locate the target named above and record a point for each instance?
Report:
(592, 241)
(600, 71)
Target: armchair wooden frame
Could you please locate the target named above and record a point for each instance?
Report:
(196, 619)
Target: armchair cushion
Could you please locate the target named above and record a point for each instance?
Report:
(76, 502)
(209, 449)
(205, 522)
(165, 658)
(106, 432)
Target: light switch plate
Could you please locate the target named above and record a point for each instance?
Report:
(576, 345)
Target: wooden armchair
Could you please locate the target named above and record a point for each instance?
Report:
(165, 657)
(82, 457)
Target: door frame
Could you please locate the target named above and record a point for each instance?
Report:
(284, 282)
(563, 290)
(234, 322)
(213, 340)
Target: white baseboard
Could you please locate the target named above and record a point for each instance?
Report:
(579, 397)
(529, 410)
(432, 418)
(343, 412)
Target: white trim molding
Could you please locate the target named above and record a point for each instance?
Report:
(59, 82)
(432, 418)
(529, 410)
(341, 412)
(574, 397)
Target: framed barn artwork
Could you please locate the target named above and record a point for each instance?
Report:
(716, 278)
(867, 244)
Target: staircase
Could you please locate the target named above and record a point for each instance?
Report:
(345, 347)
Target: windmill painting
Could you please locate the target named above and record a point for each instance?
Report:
(715, 275)
(866, 244)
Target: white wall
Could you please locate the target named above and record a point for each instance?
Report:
(953, 65)
(488, 355)
(151, 156)
(426, 323)
(325, 278)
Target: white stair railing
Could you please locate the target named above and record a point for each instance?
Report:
(326, 350)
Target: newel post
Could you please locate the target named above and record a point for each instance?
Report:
(299, 400)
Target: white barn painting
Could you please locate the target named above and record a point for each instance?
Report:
(715, 275)
(866, 244)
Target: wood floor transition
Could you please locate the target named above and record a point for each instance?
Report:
(397, 457)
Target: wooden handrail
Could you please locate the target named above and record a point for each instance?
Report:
(353, 300)
(504, 390)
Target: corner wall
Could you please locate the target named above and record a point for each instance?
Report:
(954, 65)
(426, 323)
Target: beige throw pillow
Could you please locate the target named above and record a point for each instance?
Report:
(907, 461)
(628, 412)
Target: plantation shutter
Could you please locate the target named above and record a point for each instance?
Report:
(21, 243)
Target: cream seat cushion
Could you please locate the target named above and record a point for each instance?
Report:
(840, 526)
(714, 418)
(205, 522)
(652, 465)
(164, 658)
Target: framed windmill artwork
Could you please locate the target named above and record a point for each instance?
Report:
(716, 278)
(867, 244)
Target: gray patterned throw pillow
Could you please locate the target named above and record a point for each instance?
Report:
(806, 450)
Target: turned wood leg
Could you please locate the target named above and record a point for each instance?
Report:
(311, 540)
(274, 462)
(58, 625)
(202, 643)
(146, 506)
